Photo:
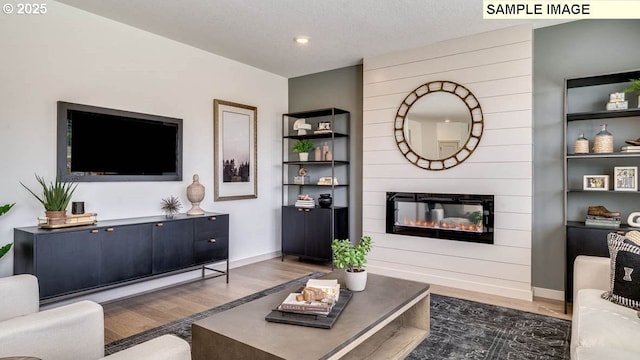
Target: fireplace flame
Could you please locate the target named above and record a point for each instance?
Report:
(443, 224)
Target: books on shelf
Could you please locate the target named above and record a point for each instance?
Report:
(305, 203)
(630, 148)
(602, 221)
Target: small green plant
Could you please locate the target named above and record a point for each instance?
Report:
(303, 146)
(3, 210)
(635, 86)
(56, 195)
(171, 205)
(349, 256)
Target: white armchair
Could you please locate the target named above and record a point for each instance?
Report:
(69, 332)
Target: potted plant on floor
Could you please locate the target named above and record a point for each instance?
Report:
(3, 210)
(352, 258)
(302, 147)
(55, 198)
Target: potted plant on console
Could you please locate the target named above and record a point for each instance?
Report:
(352, 257)
(302, 147)
(55, 198)
(3, 210)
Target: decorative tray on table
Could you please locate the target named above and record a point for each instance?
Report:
(310, 313)
(69, 220)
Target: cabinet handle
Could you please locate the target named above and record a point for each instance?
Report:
(299, 209)
(307, 210)
(212, 241)
(108, 229)
(212, 218)
(159, 224)
(94, 231)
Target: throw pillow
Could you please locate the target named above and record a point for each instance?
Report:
(625, 272)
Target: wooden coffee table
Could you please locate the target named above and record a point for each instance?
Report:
(386, 321)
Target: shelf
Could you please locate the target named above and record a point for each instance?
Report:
(602, 191)
(317, 207)
(580, 224)
(313, 162)
(604, 79)
(317, 113)
(316, 185)
(606, 114)
(317, 136)
(604, 155)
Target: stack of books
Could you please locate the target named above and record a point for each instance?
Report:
(630, 149)
(317, 298)
(592, 220)
(617, 102)
(309, 203)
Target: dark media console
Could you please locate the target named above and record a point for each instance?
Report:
(83, 259)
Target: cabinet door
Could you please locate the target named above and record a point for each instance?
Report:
(211, 240)
(172, 245)
(126, 252)
(583, 241)
(293, 230)
(318, 234)
(66, 262)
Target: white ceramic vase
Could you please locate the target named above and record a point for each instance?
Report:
(356, 281)
(303, 156)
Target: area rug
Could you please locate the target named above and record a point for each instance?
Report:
(460, 329)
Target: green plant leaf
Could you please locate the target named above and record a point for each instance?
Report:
(5, 249)
(5, 208)
(55, 195)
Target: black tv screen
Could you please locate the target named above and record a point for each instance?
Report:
(100, 144)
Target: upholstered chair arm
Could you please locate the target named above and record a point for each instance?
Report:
(18, 296)
(165, 347)
(74, 331)
(591, 272)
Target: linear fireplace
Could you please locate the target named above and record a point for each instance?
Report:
(461, 217)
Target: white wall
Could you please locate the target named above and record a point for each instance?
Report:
(71, 55)
(497, 68)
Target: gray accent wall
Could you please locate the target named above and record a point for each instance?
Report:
(580, 48)
(340, 88)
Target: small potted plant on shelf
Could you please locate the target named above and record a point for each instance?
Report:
(352, 258)
(3, 210)
(302, 147)
(635, 87)
(171, 206)
(55, 198)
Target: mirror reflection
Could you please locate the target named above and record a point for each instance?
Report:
(437, 125)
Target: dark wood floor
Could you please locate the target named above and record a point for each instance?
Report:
(136, 314)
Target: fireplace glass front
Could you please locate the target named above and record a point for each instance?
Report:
(463, 217)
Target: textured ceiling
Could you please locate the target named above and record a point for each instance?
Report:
(260, 32)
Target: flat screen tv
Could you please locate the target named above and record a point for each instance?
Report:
(100, 144)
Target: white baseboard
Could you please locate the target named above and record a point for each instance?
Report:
(142, 287)
(548, 293)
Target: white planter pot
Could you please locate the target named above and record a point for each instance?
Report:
(304, 156)
(355, 281)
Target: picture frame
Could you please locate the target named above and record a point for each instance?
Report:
(595, 183)
(235, 151)
(625, 178)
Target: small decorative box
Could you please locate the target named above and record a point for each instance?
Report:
(301, 180)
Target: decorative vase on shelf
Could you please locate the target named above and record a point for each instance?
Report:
(603, 141)
(581, 145)
(304, 156)
(195, 194)
(318, 154)
(325, 200)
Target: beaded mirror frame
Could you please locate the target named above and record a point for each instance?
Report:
(475, 133)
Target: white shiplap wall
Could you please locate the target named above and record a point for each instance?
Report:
(497, 67)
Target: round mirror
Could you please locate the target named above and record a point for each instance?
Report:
(438, 125)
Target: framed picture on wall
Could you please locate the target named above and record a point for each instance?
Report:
(596, 183)
(625, 178)
(235, 151)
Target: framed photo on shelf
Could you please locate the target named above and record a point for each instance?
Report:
(235, 151)
(625, 178)
(595, 183)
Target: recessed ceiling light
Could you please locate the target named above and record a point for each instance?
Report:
(302, 40)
